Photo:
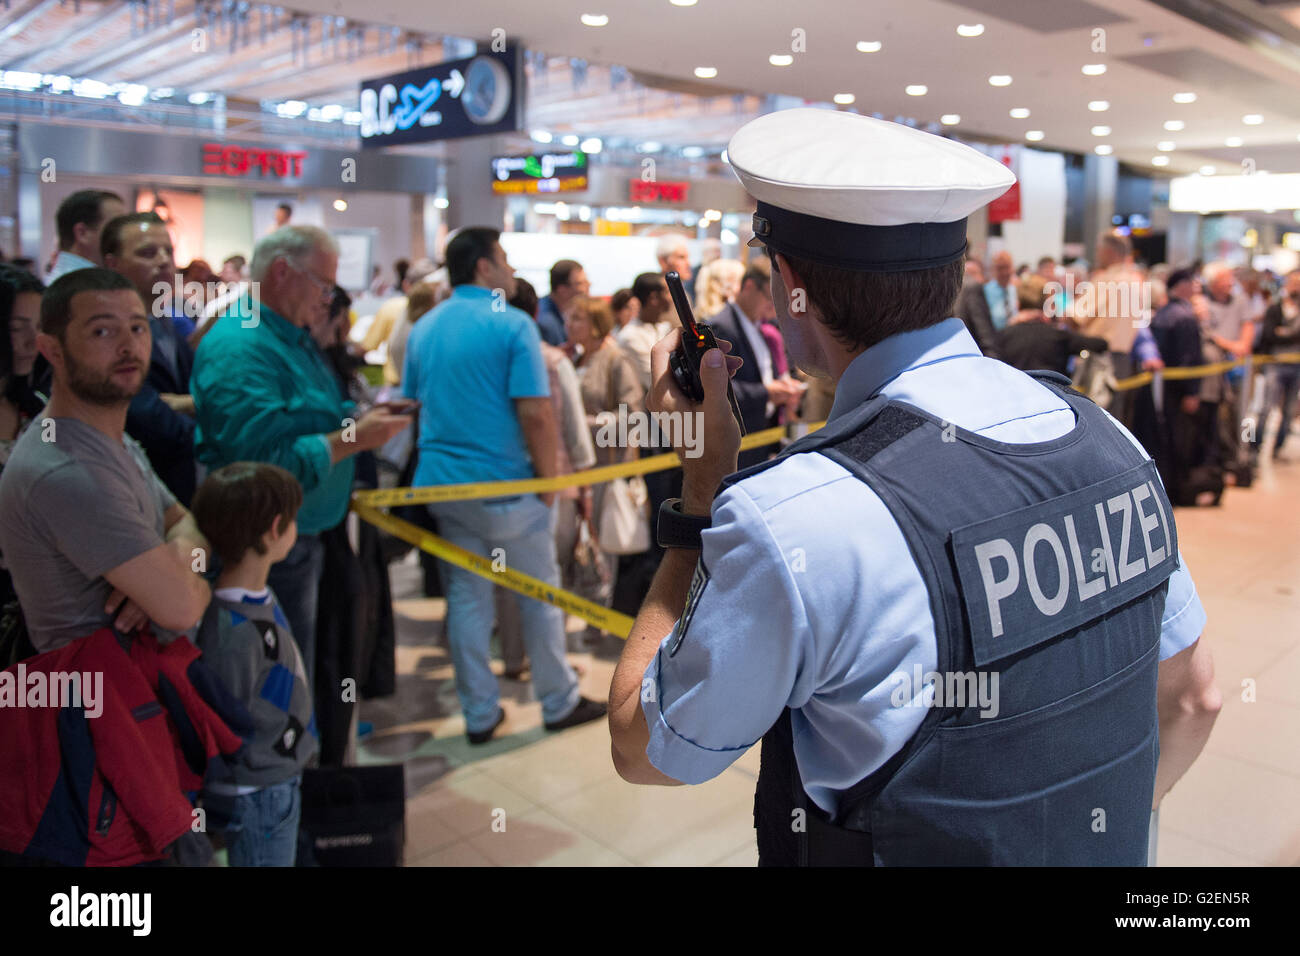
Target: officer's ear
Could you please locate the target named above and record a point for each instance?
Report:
(795, 288)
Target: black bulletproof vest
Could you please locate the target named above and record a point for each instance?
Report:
(1047, 566)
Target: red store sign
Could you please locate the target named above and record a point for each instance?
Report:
(226, 160)
(641, 191)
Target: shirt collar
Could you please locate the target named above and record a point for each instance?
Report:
(280, 327)
(887, 360)
(470, 291)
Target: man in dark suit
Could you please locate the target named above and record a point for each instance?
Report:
(161, 416)
(973, 308)
(760, 391)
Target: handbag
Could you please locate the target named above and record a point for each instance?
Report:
(624, 524)
(591, 577)
(353, 816)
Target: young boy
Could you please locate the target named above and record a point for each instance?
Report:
(247, 512)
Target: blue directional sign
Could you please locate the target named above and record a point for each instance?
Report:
(469, 97)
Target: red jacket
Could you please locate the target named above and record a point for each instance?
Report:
(106, 790)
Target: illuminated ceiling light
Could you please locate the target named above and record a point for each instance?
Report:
(594, 19)
(1020, 113)
(198, 99)
(352, 118)
(1252, 119)
(683, 3)
(1232, 141)
(970, 29)
(331, 112)
(1184, 97)
(570, 139)
(1165, 146)
(1100, 131)
(999, 79)
(692, 152)
(649, 147)
(713, 214)
(1159, 160)
(1103, 150)
(540, 136)
(780, 59)
(950, 119)
(1034, 135)
(844, 99)
(706, 72)
(916, 89)
(341, 205)
(1098, 106)
(440, 202)
(592, 145)
(1207, 170)
(1174, 125)
(1094, 69)
(869, 46)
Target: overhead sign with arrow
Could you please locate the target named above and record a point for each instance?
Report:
(456, 98)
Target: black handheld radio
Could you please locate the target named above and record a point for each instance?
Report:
(697, 338)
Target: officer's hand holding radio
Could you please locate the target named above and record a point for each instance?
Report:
(719, 436)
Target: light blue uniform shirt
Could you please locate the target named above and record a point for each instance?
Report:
(466, 362)
(814, 600)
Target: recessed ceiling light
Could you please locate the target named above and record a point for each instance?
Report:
(1101, 131)
(1207, 170)
(950, 119)
(780, 59)
(1232, 141)
(591, 145)
(569, 140)
(916, 89)
(692, 152)
(1184, 97)
(1103, 150)
(999, 79)
(1165, 146)
(1159, 160)
(1034, 135)
(594, 19)
(1174, 125)
(706, 72)
(970, 29)
(869, 46)
(1094, 69)
(1020, 113)
(844, 99)
(683, 3)
(1252, 119)
(341, 205)
(541, 136)
(1098, 106)
(441, 202)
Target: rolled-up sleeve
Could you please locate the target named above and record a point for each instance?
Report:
(723, 675)
(1184, 618)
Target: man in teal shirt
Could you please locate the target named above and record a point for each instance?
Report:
(263, 392)
(475, 363)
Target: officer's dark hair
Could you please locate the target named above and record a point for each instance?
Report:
(110, 240)
(647, 284)
(466, 248)
(56, 304)
(525, 297)
(863, 308)
(562, 272)
(84, 207)
(14, 281)
(237, 504)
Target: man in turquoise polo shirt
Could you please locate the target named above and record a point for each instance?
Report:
(475, 364)
(263, 392)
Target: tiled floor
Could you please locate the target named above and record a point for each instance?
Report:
(538, 799)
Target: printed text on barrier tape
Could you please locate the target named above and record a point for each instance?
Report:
(388, 497)
(602, 617)
(1204, 371)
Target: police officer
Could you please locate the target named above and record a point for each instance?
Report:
(956, 615)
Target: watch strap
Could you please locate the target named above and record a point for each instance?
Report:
(677, 530)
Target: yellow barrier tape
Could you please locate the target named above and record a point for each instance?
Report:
(1204, 371)
(601, 617)
(388, 497)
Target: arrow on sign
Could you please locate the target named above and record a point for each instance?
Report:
(455, 83)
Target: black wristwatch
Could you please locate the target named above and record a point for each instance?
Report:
(677, 530)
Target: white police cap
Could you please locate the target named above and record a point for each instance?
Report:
(860, 193)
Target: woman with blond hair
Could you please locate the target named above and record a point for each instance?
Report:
(715, 285)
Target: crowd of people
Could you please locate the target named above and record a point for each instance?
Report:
(171, 473)
(1104, 327)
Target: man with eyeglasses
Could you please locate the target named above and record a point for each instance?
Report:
(263, 392)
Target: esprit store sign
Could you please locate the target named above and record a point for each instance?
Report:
(223, 159)
(641, 191)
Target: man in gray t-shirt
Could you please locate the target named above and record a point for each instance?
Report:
(89, 533)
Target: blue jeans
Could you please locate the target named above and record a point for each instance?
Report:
(263, 828)
(296, 583)
(524, 529)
